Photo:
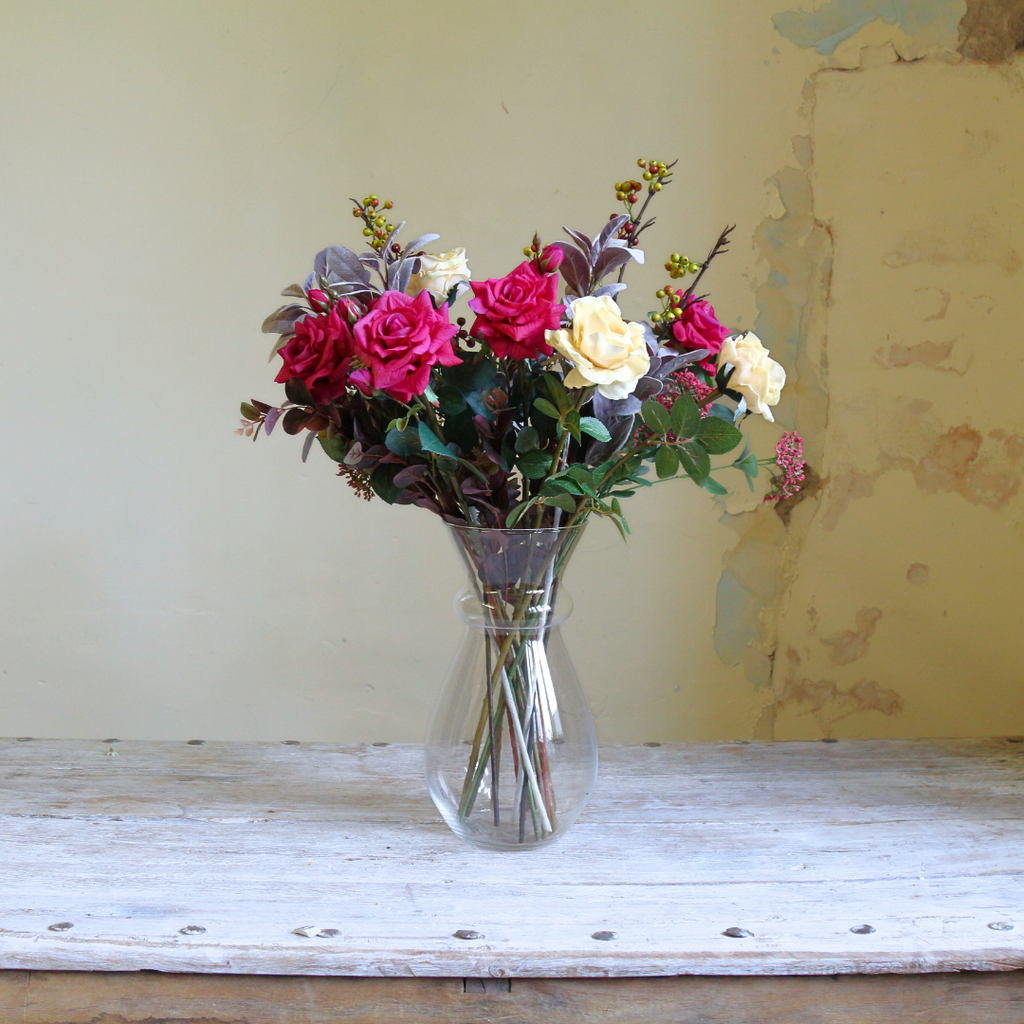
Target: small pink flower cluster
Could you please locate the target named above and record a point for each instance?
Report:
(692, 385)
(789, 457)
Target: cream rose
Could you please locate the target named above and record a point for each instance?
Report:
(756, 377)
(440, 274)
(603, 348)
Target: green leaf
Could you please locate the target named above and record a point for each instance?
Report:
(558, 392)
(432, 443)
(723, 412)
(534, 465)
(561, 483)
(528, 440)
(712, 485)
(685, 416)
(717, 436)
(471, 379)
(334, 447)
(695, 461)
(620, 525)
(382, 481)
(250, 412)
(581, 474)
(748, 464)
(508, 451)
(517, 513)
(572, 423)
(656, 416)
(451, 399)
(595, 428)
(562, 501)
(403, 442)
(666, 462)
(297, 392)
(544, 406)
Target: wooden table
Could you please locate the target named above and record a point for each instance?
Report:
(717, 883)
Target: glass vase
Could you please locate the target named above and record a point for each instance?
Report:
(511, 748)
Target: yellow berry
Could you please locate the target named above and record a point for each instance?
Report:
(660, 293)
(647, 175)
(656, 317)
(367, 232)
(641, 162)
(656, 187)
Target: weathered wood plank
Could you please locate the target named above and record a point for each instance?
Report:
(794, 843)
(132, 998)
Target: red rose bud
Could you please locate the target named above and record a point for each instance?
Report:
(551, 258)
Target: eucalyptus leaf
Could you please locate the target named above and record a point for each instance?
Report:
(518, 512)
(714, 487)
(430, 442)
(282, 320)
(334, 447)
(296, 391)
(528, 440)
(382, 480)
(307, 444)
(250, 412)
(403, 442)
(748, 465)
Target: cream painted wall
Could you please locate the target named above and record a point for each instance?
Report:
(167, 167)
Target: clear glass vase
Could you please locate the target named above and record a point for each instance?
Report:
(511, 748)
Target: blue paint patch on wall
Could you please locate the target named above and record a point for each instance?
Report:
(838, 20)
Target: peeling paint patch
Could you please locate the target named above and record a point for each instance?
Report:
(830, 703)
(931, 21)
(844, 489)
(851, 644)
(918, 573)
(954, 463)
(925, 353)
(977, 245)
(992, 31)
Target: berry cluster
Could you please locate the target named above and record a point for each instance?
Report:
(678, 265)
(378, 227)
(673, 304)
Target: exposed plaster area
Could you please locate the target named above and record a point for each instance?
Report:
(892, 288)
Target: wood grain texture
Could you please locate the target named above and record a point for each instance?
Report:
(133, 998)
(243, 843)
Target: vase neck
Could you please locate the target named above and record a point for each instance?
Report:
(515, 576)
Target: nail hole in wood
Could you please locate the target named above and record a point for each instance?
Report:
(738, 933)
(60, 926)
(604, 936)
(862, 929)
(467, 933)
(829, 740)
(196, 743)
(113, 739)
(381, 744)
(1001, 926)
(192, 929)
(24, 739)
(327, 933)
(291, 743)
(1015, 739)
(652, 744)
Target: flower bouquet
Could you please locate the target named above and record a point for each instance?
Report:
(548, 408)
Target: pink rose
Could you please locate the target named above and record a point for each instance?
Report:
(698, 327)
(401, 338)
(513, 312)
(320, 354)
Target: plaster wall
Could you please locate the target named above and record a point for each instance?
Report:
(167, 168)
